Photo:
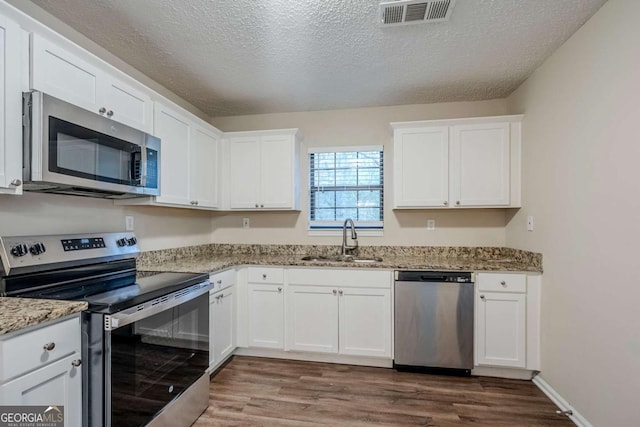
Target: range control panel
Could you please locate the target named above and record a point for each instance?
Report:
(80, 244)
(22, 254)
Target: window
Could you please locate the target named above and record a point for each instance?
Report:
(346, 182)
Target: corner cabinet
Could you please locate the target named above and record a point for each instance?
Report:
(461, 163)
(263, 170)
(10, 108)
(507, 321)
(43, 367)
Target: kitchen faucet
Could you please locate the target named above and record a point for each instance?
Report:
(354, 236)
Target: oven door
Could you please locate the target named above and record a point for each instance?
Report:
(151, 360)
(74, 147)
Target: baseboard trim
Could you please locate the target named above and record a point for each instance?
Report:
(511, 373)
(561, 402)
(314, 357)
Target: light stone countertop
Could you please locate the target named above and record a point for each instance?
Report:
(20, 313)
(214, 262)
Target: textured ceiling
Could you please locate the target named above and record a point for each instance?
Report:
(231, 57)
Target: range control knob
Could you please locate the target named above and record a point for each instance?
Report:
(37, 248)
(132, 241)
(121, 242)
(19, 250)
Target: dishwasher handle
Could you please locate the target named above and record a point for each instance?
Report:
(434, 276)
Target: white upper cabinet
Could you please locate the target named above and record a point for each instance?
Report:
(457, 163)
(421, 165)
(10, 108)
(189, 160)
(263, 170)
(66, 75)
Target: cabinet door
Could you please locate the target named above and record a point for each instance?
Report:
(204, 169)
(421, 171)
(10, 106)
(501, 329)
(224, 324)
(57, 384)
(365, 322)
(480, 165)
(312, 318)
(266, 316)
(277, 172)
(244, 172)
(127, 104)
(175, 134)
(64, 75)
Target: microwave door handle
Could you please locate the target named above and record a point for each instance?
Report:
(136, 165)
(143, 167)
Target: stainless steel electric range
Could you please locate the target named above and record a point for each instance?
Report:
(145, 336)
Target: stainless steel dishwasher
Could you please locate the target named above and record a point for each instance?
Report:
(433, 327)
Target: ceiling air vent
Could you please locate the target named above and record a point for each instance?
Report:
(415, 11)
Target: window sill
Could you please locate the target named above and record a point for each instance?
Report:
(363, 233)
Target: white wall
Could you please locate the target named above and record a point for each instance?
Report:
(364, 126)
(155, 227)
(581, 181)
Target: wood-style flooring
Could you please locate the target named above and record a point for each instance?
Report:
(252, 391)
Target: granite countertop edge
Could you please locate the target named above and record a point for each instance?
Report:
(20, 313)
(213, 264)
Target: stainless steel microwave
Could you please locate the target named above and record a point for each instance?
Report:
(69, 150)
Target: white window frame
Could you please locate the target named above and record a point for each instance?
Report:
(368, 228)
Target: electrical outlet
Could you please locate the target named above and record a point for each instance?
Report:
(245, 223)
(530, 223)
(128, 223)
(431, 224)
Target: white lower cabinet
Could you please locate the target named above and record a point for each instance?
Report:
(266, 315)
(43, 367)
(507, 321)
(222, 326)
(335, 311)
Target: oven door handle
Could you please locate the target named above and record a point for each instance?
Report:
(158, 305)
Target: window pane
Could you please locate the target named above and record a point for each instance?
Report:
(368, 176)
(325, 178)
(342, 214)
(325, 160)
(347, 199)
(368, 199)
(325, 215)
(369, 214)
(325, 199)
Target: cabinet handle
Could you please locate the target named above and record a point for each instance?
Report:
(262, 206)
(16, 182)
(102, 110)
(195, 202)
(503, 283)
(481, 296)
(340, 292)
(219, 281)
(76, 363)
(279, 289)
(335, 292)
(458, 203)
(109, 113)
(49, 346)
(264, 276)
(446, 203)
(256, 205)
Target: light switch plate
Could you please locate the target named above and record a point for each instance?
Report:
(431, 224)
(128, 223)
(530, 223)
(245, 223)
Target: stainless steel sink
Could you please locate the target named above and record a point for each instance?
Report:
(340, 258)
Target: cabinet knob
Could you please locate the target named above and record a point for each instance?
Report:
(264, 276)
(219, 281)
(76, 363)
(503, 283)
(49, 346)
(340, 292)
(457, 202)
(446, 203)
(335, 292)
(195, 202)
(481, 296)
(102, 110)
(109, 113)
(279, 289)
(256, 205)
(16, 182)
(262, 206)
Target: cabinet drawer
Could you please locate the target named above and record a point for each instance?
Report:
(222, 280)
(28, 350)
(266, 275)
(502, 282)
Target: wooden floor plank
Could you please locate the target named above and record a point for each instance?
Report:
(251, 391)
